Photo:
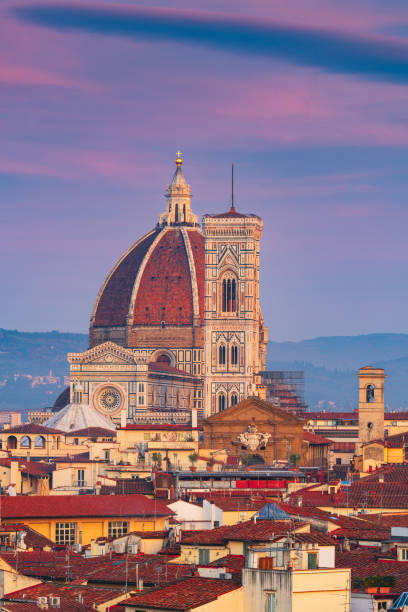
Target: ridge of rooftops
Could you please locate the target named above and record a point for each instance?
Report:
(42, 506)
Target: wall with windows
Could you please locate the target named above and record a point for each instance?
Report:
(83, 530)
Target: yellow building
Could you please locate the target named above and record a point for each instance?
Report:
(77, 519)
(40, 442)
(393, 449)
(172, 442)
(297, 573)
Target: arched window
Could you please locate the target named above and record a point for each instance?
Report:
(176, 214)
(234, 354)
(221, 402)
(370, 393)
(229, 294)
(11, 442)
(184, 213)
(221, 354)
(39, 442)
(163, 358)
(234, 399)
(25, 442)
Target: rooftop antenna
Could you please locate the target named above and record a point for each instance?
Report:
(232, 188)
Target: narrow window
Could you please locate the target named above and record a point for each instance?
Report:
(176, 214)
(234, 399)
(370, 394)
(221, 354)
(234, 355)
(221, 402)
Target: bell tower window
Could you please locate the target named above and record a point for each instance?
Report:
(221, 402)
(370, 394)
(221, 354)
(234, 355)
(234, 399)
(229, 295)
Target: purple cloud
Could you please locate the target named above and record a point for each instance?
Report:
(371, 57)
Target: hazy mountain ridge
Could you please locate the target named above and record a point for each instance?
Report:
(330, 364)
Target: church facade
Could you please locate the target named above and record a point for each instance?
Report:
(177, 324)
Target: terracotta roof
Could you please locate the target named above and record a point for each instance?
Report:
(396, 441)
(165, 291)
(68, 593)
(31, 428)
(32, 539)
(232, 213)
(315, 537)
(111, 568)
(395, 416)
(343, 447)
(197, 247)
(32, 468)
(112, 304)
(260, 531)
(92, 432)
(330, 416)
(313, 438)
(81, 505)
(235, 504)
(232, 563)
(153, 569)
(129, 486)
(164, 368)
(184, 595)
(369, 561)
(160, 427)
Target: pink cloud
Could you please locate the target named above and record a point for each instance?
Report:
(25, 75)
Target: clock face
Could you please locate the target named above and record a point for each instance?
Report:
(109, 400)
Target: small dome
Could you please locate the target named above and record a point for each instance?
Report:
(78, 416)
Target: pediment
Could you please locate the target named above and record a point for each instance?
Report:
(251, 409)
(105, 353)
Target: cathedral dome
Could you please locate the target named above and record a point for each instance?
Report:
(159, 282)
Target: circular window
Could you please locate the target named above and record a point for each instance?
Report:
(109, 400)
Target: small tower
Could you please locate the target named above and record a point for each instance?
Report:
(178, 196)
(371, 404)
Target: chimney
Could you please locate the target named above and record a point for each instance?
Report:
(123, 419)
(194, 418)
(15, 475)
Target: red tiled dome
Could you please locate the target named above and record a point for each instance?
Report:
(160, 278)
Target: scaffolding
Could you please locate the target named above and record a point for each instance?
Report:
(285, 389)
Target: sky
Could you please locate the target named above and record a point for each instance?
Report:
(308, 99)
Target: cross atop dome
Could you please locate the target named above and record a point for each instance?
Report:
(178, 196)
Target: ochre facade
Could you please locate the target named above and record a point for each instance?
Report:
(284, 432)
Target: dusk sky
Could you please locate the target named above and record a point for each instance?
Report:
(309, 99)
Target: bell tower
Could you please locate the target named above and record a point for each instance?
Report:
(371, 404)
(234, 336)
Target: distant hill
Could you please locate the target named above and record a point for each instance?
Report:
(330, 365)
(26, 360)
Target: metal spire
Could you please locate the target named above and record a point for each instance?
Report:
(232, 188)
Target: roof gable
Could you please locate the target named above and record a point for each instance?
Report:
(252, 407)
(108, 352)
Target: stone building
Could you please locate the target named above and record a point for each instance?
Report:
(177, 323)
(258, 428)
